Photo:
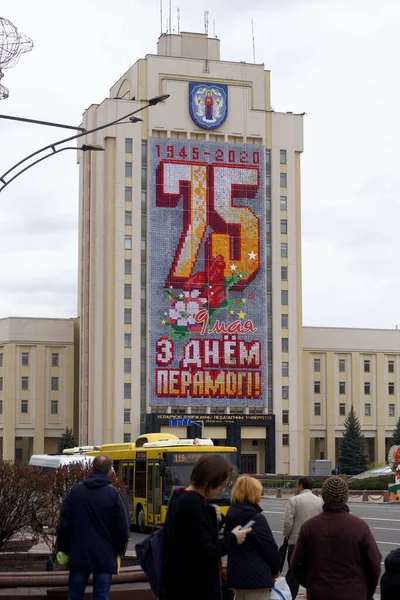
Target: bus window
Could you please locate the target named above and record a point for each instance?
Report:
(124, 475)
(150, 509)
(157, 495)
(140, 479)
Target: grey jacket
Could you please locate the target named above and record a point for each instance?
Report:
(299, 509)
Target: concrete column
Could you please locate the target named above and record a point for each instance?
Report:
(40, 399)
(9, 409)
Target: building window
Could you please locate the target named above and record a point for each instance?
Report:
(24, 383)
(128, 145)
(54, 384)
(367, 388)
(392, 410)
(367, 366)
(1, 384)
(25, 359)
(24, 406)
(317, 409)
(284, 297)
(367, 410)
(1, 359)
(342, 387)
(317, 387)
(127, 365)
(391, 389)
(342, 365)
(128, 242)
(128, 217)
(285, 369)
(285, 344)
(317, 365)
(54, 359)
(390, 366)
(284, 250)
(127, 291)
(283, 157)
(283, 202)
(54, 407)
(127, 340)
(284, 273)
(283, 226)
(128, 169)
(127, 391)
(127, 415)
(128, 267)
(1, 407)
(285, 417)
(285, 321)
(283, 179)
(127, 316)
(127, 438)
(285, 439)
(285, 392)
(342, 410)
(128, 194)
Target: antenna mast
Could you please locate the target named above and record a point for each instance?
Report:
(206, 13)
(170, 22)
(254, 43)
(214, 29)
(178, 10)
(161, 1)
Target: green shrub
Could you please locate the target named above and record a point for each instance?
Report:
(372, 483)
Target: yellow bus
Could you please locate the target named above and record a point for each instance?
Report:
(156, 464)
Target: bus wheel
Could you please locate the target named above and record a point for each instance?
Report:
(140, 519)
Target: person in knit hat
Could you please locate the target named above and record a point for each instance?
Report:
(336, 555)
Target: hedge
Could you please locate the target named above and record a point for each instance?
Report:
(289, 483)
(372, 483)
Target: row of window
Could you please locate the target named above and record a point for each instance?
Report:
(342, 409)
(25, 383)
(342, 365)
(342, 388)
(25, 359)
(25, 407)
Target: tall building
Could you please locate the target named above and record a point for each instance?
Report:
(36, 385)
(190, 258)
(345, 367)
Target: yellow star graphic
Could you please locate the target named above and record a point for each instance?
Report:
(241, 314)
(164, 322)
(244, 300)
(231, 312)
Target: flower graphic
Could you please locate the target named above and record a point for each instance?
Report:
(183, 311)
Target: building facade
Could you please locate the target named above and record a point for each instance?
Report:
(190, 258)
(344, 367)
(36, 385)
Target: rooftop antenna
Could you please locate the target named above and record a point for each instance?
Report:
(178, 10)
(161, 1)
(206, 13)
(170, 23)
(254, 43)
(214, 29)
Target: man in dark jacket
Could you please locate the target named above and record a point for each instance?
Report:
(336, 555)
(390, 582)
(93, 530)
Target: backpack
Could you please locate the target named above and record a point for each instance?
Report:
(150, 554)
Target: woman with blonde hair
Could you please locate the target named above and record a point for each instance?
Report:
(254, 565)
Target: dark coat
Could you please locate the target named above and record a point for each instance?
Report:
(251, 565)
(94, 525)
(192, 549)
(336, 556)
(390, 582)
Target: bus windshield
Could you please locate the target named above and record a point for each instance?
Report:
(179, 466)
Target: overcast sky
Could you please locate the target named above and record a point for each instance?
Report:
(337, 60)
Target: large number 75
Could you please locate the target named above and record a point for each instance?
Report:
(208, 193)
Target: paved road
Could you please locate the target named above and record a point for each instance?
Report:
(383, 519)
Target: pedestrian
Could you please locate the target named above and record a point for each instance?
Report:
(193, 547)
(390, 582)
(254, 565)
(93, 531)
(299, 509)
(336, 555)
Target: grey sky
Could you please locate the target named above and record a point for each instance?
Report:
(335, 59)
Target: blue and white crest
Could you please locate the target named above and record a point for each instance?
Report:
(208, 104)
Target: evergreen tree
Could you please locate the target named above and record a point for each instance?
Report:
(352, 457)
(67, 440)
(395, 441)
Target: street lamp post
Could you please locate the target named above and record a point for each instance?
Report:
(131, 116)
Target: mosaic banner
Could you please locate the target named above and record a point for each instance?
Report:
(207, 274)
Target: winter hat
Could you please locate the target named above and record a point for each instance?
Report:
(335, 490)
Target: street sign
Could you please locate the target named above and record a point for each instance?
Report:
(183, 422)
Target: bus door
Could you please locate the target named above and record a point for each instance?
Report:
(153, 494)
(127, 477)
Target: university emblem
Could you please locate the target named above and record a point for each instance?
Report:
(208, 104)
